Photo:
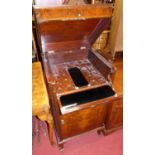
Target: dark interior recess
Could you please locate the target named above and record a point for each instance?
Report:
(87, 96)
(77, 77)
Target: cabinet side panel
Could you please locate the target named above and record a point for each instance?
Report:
(115, 115)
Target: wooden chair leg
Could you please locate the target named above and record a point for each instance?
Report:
(50, 129)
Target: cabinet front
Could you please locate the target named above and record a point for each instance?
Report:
(81, 121)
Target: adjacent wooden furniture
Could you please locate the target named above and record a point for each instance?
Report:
(40, 102)
(80, 80)
(34, 49)
(116, 32)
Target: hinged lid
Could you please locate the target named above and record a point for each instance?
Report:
(71, 27)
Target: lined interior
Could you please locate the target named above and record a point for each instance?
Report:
(87, 96)
(77, 77)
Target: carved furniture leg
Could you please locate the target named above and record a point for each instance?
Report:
(100, 131)
(50, 129)
(48, 118)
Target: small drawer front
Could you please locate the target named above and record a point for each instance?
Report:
(81, 121)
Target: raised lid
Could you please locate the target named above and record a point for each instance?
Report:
(71, 27)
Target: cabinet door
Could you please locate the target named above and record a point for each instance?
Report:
(82, 121)
(115, 114)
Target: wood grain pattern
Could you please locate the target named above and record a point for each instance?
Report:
(70, 12)
(118, 81)
(66, 35)
(71, 27)
(39, 93)
(84, 120)
(114, 118)
(40, 102)
(60, 83)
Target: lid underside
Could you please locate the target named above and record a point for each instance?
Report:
(81, 26)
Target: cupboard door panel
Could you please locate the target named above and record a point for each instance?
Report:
(115, 115)
(81, 121)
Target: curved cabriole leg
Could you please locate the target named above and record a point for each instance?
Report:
(48, 118)
(50, 129)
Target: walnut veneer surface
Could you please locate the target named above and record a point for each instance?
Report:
(40, 102)
(114, 119)
(118, 80)
(39, 93)
(66, 35)
(63, 82)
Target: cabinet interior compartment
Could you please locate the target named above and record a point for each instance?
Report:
(87, 96)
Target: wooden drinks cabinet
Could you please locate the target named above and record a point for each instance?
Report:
(80, 80)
